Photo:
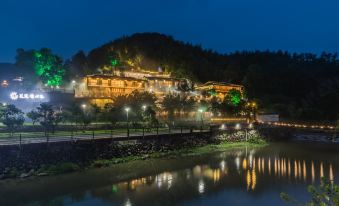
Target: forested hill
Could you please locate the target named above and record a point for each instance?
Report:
(151, 50)
(298, 86)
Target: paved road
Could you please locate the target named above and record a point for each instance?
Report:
(79, 137)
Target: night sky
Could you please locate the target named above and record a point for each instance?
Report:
(67, 26)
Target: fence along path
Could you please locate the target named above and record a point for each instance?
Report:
(119, 135)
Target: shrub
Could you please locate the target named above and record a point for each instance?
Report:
(327, 194)
(61, 168)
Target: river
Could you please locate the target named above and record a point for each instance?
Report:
(244, 176)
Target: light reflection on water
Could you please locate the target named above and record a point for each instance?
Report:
(240, 177)
(249, 166)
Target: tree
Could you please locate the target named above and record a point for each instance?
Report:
(12, 117)
(327, 194)
(170, 104)
(234, 97)
(34, 116)
(47, 117)
(78, 65)
(214, 106)
(149, 117)
(112, 114)
(188, 105)
(135, 101)
(48, 67)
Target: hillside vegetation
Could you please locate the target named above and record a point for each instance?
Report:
(301, 86)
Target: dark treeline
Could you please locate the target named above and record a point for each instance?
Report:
(298, 86)
(301, 86)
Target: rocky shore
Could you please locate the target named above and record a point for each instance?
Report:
(48, 159)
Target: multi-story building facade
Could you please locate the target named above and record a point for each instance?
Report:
(217, 89)
(100, 89)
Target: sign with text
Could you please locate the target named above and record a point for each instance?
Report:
(26, 96)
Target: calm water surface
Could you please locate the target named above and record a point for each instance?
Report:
(248, 176)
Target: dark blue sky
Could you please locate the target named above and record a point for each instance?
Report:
(223, 25)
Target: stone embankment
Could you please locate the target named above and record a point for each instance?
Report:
(30, 158)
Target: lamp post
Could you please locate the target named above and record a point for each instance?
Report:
(201, 118)
(144, 107)
(73, 84)
(127, 111)
(254, 106)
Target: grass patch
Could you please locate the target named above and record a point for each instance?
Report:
(61, 168)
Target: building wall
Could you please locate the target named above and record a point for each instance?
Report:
(161, 86)
(105, 87)
(220, 89)
(101, 89)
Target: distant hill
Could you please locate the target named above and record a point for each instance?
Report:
(298, 86)
(153, 50)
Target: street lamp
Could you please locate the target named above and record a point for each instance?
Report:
(83, 106)
(237, 126)
(201, 118)
(127, 111)
(144, 107)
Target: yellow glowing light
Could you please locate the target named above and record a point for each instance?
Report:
(254, 179)
(289, 168)
(263, 165)
(295, 169)
(248, 179)
(244, 164)
(331, 176)
(312, 172)
(304, 169)
(321, 170)
(299, 171)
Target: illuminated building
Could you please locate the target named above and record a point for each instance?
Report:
(141, 74)
(161, 86)
(4, 83)
(218, 89)
(100, 89)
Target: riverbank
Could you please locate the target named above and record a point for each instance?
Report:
(202, 150)
(59, 158)
(68, 167)
(181, 180)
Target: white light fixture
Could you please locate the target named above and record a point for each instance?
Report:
(237, 126)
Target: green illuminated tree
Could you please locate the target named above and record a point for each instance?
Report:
(212, 92)
(112, 61)
(48, 67)
(234, 97)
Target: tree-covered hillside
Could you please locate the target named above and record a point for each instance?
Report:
(297, 86)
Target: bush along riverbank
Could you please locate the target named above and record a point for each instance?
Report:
(43, 160)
